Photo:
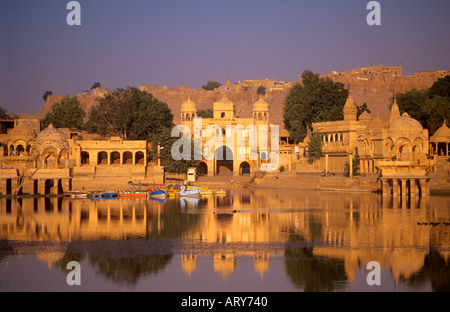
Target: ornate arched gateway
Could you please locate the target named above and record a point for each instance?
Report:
(223, 157)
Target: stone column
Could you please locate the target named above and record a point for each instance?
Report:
(211, 169)
(3, 183)
(386, 188)
(65, 184)
(14, 185)
(395, 187)
(404, 187)
(159, 150)
(412, 187)
(423, 187)
(55, 186)
(27, 186)
(41, 186)
(78, 156)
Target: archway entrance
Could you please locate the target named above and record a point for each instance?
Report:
(244, 168)
(224, 160)
(202, 169)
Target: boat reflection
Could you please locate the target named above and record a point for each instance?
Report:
(325, 238)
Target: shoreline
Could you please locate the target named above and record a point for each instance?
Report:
(304, 182)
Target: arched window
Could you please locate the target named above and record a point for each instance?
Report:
(127, 158)
(115, 158)
(244, 168)
(222, 115)
(84, 158)
(102, 158)
(20, 151)
(139, 158)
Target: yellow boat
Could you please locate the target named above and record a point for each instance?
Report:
(204, 190)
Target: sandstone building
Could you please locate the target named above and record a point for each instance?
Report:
(234, 150)
(396, 151)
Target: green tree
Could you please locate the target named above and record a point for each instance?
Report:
(66, 113)
(96, 85)
(315, 146)
(211, 85)
(261, 90)
(430, 107)
(131, 114)
(46, 94)
(355, 165)
(441, 87)
(205, 113)
(412, 102)
(316, 99)
(361, 109)
(4, 114)
(165, 140)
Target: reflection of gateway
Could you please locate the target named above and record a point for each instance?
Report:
(189, 193)
(189, 202)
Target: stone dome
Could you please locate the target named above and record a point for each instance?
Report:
(260, 105)
(442, 134)
(224, 104)
(188, 106)
(405, 123)
(50, 137)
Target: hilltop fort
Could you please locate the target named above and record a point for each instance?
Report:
(374, 85)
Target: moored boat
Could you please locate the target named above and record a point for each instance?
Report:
(75, 194)
(133, 194)
(157, 194)
(94, 194)
(204, 190)
(109, 195)
(184, 192)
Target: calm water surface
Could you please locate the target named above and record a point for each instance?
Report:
(249, 240)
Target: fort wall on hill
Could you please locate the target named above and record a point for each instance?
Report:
(373, 85)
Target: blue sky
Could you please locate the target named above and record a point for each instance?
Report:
(171, 42)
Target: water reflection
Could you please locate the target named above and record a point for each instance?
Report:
(324, 238)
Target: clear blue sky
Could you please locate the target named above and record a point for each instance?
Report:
(171, 42)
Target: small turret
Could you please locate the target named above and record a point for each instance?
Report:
(350, 112)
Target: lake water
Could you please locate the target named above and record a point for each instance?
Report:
(255, 240)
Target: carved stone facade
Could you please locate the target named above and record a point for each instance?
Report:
(396, 151)
(53, 161)
(236, 153)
